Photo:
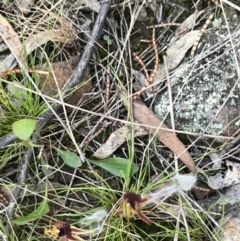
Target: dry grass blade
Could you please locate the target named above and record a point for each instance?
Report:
(145, 116)
(12, 40)
(230, 4)
(107, 96)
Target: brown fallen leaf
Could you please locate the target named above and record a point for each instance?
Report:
(116, 139)
(146, 117)
(175, 54)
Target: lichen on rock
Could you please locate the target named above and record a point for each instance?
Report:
(206, 90)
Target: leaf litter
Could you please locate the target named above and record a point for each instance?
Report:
(152, 124)
(13, 42)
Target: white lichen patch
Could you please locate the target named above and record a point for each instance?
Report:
(237, 123)
(201, 91)
(217, 22)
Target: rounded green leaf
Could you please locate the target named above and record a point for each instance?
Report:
(70, 158)
(24, 128)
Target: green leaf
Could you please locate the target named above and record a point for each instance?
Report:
(116, 165)
(70, 158)
(109, 42)
(40, 211)
(107, 39)
(24, 128)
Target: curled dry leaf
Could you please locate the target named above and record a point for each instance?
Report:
(12, 40)
(43, 37)
(64, 33)
(177, 51)
(116, 139)
(153, 124)
(224, 178)
(188, 23)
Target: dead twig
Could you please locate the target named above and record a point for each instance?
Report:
(163, 25)
(107, 85)
(6, 74)
(228, 146)
(75, 79)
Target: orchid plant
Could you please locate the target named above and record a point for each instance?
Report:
(131, 203)
(64, 231)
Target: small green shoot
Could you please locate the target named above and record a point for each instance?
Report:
(116, 165)
(107, 39)
(39, 212)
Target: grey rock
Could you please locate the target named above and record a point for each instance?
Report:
(205, 90)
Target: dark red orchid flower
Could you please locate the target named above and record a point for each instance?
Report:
(64, 231)
(131, 204)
